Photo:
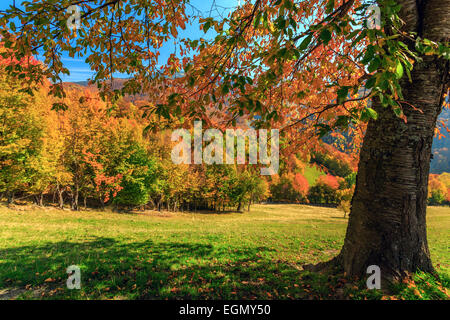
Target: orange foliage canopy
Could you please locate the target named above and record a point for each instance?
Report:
(329, 180)
(300, 184)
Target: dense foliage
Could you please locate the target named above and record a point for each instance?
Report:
(101, 154)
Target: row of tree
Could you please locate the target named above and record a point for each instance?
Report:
(95, 154)
(293, 187)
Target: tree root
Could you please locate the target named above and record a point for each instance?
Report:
(332, 266)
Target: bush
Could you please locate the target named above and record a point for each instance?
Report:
(323, 194)
(345, 206)
(329, 180)
(350, 180)
(139, 173)
(335, 167)
(437, 198)
(284, 191)
(300, 184)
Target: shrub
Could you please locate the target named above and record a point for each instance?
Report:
(323, 194)
(284, 191)
(329, 180)
(437, 197)
(335, 167)
(350, 180)
(139, 173)
(300, 184)
(345, 206)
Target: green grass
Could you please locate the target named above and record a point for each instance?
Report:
(254, 255)
(312, 173)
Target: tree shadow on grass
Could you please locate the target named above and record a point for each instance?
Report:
(156, 270)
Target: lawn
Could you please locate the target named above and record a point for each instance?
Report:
(312, 173)
(151, 255)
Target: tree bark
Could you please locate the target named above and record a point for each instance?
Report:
(40, 199)
(60, 192)
(239, 206)
(10, 198)
(387, 222)
(75, 196)
(100, 201)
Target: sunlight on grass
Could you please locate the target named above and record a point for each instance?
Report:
(249, 255)
(312, 173)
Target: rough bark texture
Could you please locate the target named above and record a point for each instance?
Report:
(60, 192)
(39, 199)
(387, 225)
(10, 198)
(75, 196)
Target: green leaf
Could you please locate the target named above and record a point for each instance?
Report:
(257, 19)
(398, 112)
(305, 43)
(342, 121)
(206, 26)
(187, 67)
(342, 94)
(191, 81)
(374, 65)
(225, 88)
(325, 36)
(371, 82)
(368, 56)
(329, 7)
(399, 70)
(373, 114)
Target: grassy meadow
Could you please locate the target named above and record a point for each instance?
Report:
(161, 255)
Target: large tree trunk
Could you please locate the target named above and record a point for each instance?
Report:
(60, 192)
(387, 225)
(10, 198)
(75, 196)
(39, 198)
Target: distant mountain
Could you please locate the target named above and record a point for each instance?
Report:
(81, 83)
(117, 83)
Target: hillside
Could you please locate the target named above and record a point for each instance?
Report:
(441, 147)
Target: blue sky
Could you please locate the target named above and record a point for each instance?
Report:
(80, 71)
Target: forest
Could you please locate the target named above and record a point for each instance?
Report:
(99, 155)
